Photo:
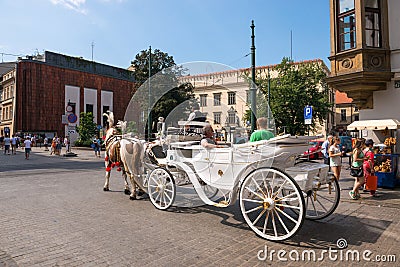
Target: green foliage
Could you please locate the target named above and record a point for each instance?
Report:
(297, 86)
(81, 143)
(167, 77)
(86, 128)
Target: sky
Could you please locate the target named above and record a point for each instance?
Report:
(189, 30)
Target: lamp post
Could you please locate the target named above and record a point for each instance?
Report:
(253, 89)
(149, 108)
(268, 101)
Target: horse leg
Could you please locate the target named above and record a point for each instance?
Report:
(127, 191)
(108, 172)
(133, 183)
(107, 183)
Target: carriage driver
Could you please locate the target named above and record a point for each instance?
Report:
(208, 140)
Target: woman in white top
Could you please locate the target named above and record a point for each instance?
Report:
(335, 157)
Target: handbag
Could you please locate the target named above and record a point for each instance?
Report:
(372, 182)
(357, 171)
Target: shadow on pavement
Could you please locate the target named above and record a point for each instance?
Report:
(314, 234)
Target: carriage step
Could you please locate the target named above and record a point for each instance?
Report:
(222, 204)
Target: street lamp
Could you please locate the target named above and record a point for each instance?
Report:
(253, 89)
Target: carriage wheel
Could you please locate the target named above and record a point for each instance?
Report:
(322, 201)
(264, 206)
(161, 188)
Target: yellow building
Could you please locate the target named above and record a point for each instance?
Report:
(7, 98)
(224, 97)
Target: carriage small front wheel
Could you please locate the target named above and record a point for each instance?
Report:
(266, 208)
(161, 188)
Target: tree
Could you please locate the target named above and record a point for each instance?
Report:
(296, 86)
(166, 91)
(86, 128)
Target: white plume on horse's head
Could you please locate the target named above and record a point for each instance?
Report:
(110, 118)
(122, 125)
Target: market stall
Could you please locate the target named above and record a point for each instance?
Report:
(384, 133)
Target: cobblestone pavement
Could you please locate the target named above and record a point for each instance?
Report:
(53, 212)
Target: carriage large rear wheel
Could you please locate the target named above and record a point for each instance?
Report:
(161, 188)
(265, 207)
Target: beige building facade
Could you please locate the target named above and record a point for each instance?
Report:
(224, 97)
(7, 102)
(365, 55)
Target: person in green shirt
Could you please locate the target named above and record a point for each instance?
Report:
(262, 133)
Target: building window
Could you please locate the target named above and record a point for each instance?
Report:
(217, 99)
(231, 118)
(203, 100)
(343, 115)
(89, 108)
(217, 117)
(372, 23)
(231, 98)
(346, 25)
(105, 109)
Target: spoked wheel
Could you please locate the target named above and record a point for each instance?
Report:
(161, 188)
(323, 200)
(266, 208)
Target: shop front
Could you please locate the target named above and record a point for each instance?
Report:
(384, 133)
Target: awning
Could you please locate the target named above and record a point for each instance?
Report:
(390, 124)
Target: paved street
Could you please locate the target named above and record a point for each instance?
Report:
(53, 212)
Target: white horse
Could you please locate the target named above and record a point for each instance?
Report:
(113, 156)
(132, 155)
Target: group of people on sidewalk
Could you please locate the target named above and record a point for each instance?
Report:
(14, 143)
(362, 158)
(56, 145)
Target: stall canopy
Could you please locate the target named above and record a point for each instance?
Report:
(390, 124)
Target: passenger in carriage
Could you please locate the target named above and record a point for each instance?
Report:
(208, 140)
(262, 133)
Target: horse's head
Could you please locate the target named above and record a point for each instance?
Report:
(110, 132)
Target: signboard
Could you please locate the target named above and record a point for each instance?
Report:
(72, 118)
(396, 84)
(308, 115)
(64, 119)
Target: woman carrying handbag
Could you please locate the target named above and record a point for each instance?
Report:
(357, 168)
(368, 166)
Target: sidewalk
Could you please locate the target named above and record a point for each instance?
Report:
(82, 153)
(387, 197)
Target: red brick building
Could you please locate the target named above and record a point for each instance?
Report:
(46, 85)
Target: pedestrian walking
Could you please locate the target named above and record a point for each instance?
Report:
(53, 145)
(46, 143)
(335, 154)
(58, 146)
(66, 143)
(357, 164)
(368, 164)
(7, 144)
(28, 145)
(96, 145)
(325, 149)
(14, 144)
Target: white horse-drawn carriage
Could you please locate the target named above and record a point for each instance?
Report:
(275, 194)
